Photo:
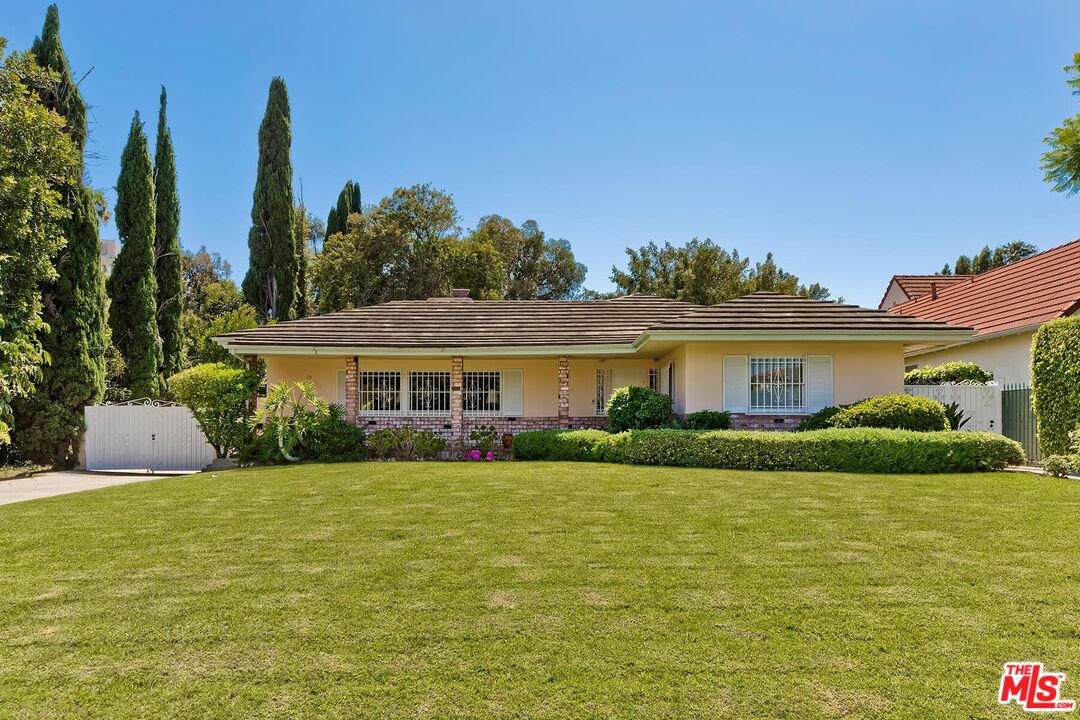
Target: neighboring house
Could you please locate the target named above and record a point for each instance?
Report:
(109, 250)
(449, 364)
(1005, 306)
(908, 287)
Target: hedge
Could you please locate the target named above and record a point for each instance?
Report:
(1055, 383)
(950, 372)
(897, 412)
(865, 450)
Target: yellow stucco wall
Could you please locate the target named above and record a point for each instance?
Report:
(859, 370)
(1008, 358)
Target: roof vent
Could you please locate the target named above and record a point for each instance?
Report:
(459, 292)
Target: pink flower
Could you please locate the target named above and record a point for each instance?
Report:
(490, 455)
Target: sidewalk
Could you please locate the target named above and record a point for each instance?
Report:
(64, 482)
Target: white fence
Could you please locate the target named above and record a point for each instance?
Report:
(144, 435)
(980, 403)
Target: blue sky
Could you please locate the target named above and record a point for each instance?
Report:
(854, 140)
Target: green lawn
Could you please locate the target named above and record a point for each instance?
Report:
(537, 590)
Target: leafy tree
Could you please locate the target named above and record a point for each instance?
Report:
(963, 265)
(218, 397)
(473, 264)
(1062, 160)
(270, 284)
(132, 287)
(348, 202)
(422, 218)
(702, 272)
(200, 269)
(213, 305)
(991, 258)
(536, 268)
(302, 235)
(983, 261)
(51, 420)
(38, 161)
(168, 260)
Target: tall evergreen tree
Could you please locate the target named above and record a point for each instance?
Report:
(270, 283)
(168, 262)
(348, 202)
(50, 422)
(132, 287)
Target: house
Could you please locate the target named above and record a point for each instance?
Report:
(908, 287)
(1005, 306)
(107, 254)
(448, 364)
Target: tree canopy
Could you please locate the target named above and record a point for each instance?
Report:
(990, 259)
(702, 272)
(1061, 161)
(167, 258)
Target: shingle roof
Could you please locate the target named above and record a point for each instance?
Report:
(448, 323)
(776, 311)
(1026, 293)
(462, 322)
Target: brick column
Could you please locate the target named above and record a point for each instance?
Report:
(457, 404)
(352, 396)
(564, 392)
(251, 362)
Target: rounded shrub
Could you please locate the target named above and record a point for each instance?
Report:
(1055, 383)
(897, 412)
(822, 419)
(708, 420)
(638, 408)
(950, 372)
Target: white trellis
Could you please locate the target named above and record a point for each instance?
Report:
(980, 403)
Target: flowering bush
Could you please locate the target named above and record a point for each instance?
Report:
(475, 455)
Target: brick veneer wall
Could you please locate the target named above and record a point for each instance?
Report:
(743, 421)
(503, 425)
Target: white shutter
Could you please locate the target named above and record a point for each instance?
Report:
(341, 388)
(513, 403)
(665, 380)
(736, 383)
(819, 391)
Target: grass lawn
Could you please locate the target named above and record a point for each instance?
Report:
(537, 590)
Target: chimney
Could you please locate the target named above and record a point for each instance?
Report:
(933, 290)
(459, 292)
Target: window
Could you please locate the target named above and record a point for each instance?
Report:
(429, 393)
(600, 402)
(482, 393)
(380, 392)
(654, 379)
(776, 385)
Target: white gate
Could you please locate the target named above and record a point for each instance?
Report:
(144, 435)
(980, 403)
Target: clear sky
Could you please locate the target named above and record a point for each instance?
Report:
(855, 140)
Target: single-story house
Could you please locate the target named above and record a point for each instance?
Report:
(1005, 306)
(908, 287)
(451, 363)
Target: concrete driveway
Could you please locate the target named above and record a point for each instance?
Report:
(64, 482)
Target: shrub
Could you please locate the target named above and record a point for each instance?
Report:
(708, 420)
(332, 439)
(218, 397)
(638, 408)
(484, 438)
(1055, 382)
(957, 418)
(822, 419)
(866, 450)
(950, 372)
(1062, 465)
(897, 412)
(289, 413)
(405, 443)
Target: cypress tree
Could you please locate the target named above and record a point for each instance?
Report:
(168, 265)
(348, 202)
(270, 284)
(132, 287)
(49, 424)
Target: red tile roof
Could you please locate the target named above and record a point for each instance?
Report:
(915, 286)
(1030, 292)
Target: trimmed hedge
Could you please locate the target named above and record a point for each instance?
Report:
(897, 412)
(638, 408)
(708, 420)
(950, 372)
(865, 450)
(1055, 382)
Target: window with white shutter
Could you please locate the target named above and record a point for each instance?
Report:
(819, 379)
(736, 383)
(513, 402)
